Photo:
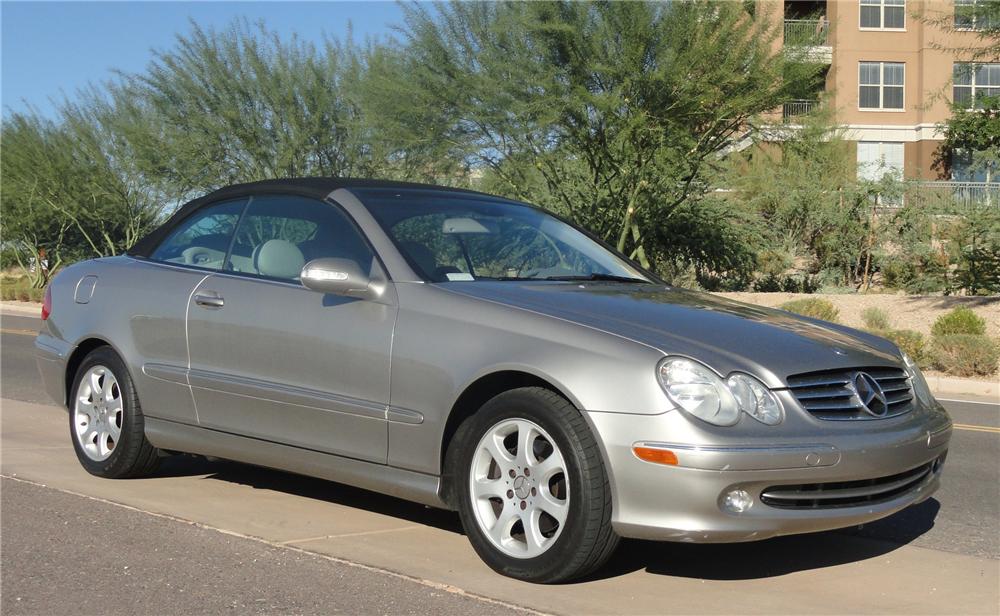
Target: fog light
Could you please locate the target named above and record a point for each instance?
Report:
(737, 501)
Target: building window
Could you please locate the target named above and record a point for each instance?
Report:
(881, 85)
(877, 159)
(965, 167)
(973, 82)
(883, 14)
(976, 15)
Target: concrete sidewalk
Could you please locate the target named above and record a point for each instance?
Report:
(30, 309)
(824, 573)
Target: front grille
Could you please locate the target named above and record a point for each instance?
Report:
(831, 394)
(846, 493)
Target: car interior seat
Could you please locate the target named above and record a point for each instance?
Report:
(279, 259)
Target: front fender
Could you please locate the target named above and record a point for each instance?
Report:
(445, 341)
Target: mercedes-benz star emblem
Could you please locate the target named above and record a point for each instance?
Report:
(870, 394)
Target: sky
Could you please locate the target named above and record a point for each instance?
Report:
(54, 48)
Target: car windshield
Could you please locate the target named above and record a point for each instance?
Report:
(448, 236)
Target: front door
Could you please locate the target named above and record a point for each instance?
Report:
(273, 360)
(194, 249)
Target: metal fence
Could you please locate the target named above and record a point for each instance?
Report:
(799, 32)
(966, 194)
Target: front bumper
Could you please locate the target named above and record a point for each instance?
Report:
(684, 502)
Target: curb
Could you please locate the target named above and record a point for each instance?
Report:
(950, 385)
(21, 308)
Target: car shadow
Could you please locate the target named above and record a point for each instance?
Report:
(723, 562)
(772, 557)
(309, 487)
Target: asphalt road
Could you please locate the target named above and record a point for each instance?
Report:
(63, 550)
(68, 554)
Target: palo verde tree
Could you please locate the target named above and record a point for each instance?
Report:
(33, 167)
(70, 189)
(978, 19)
(242, 105)
(615, 114)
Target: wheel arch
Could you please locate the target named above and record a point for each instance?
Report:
(82, 349)
(473, 397)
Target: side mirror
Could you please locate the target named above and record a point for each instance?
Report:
(338, 277)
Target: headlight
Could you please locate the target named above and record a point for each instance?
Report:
(699, 391)
(920, 387)
(755, 399)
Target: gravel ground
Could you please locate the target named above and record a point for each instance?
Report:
(906, 311)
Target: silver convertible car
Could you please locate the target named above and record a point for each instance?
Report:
(479, 354)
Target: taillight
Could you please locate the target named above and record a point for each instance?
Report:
(47, 304)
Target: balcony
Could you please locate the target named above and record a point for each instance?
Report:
(809, 39)
(792, 110)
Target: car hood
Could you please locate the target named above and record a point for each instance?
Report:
(724, 334)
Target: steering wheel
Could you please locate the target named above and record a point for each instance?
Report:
(199, 255)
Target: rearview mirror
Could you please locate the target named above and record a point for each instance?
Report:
(336, 276)
(463, 225)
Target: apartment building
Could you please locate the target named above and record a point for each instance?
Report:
(892, 74)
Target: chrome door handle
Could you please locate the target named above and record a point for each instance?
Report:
(209, 301)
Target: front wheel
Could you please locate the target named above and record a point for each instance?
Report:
(105, 419)
(534, 497)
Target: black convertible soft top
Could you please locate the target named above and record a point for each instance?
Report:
(316, 187)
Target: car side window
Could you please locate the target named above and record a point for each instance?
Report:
(203, 238)
(278, 235)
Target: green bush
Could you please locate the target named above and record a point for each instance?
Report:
(959, 321)
(813, 307)
(876, 319)
(965, 355)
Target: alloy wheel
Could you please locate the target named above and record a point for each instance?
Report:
(519, 488)
(98, 413)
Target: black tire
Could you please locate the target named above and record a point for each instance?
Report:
(132, 455)
(587, 540)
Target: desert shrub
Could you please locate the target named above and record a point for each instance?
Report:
(910, 342)
(797, 284)
(965, 355)
(773, 283)
(813, 307)
(876, 319)
(19, 289)
(959, 321)
(716, 283)
(768, 283)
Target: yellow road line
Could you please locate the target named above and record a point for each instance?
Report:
(19, 332)
(973, 428)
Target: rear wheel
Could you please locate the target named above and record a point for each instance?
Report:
(105, 419)
(534, 497)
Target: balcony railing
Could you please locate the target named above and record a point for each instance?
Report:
(796, 108)
(806, 32)
(967, 194)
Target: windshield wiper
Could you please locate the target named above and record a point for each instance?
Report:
(596, 276)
